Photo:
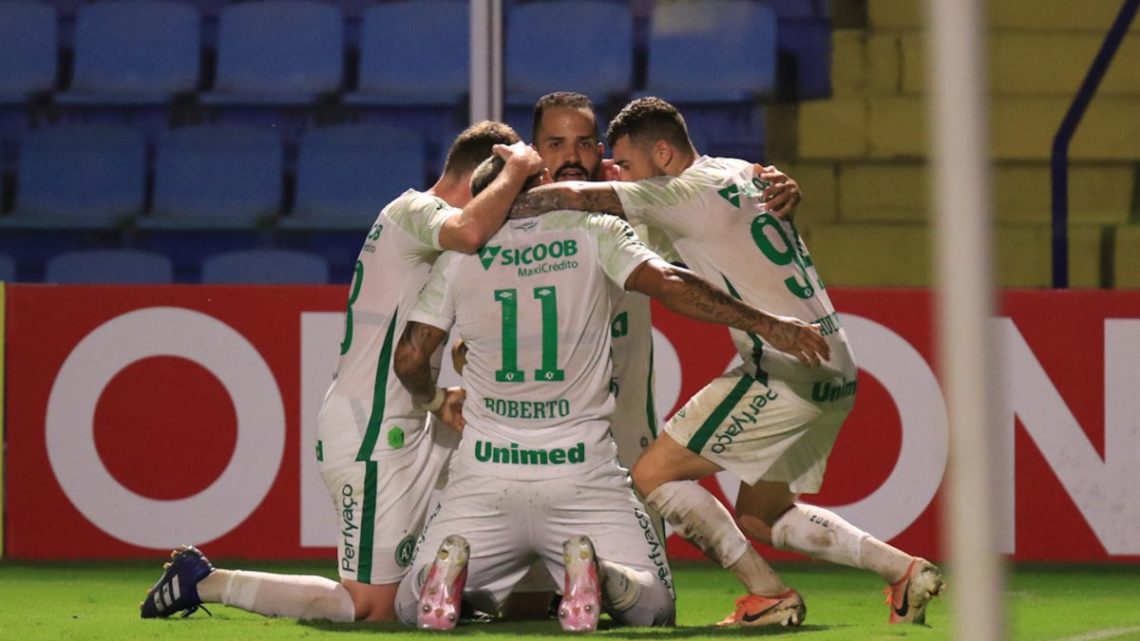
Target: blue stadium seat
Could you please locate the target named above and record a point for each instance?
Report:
(134, 52)
(28, 55)
(109, 266)
(558, 45)
(266, 267)
(278, 52)
(216, 177)
(711, 51)
(87, 176)
(346, 174)
(414, 52)
(7, 269)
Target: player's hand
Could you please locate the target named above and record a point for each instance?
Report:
(521, 158)
(451, 412)
(800, 339)
(782, 195)
(610, 170)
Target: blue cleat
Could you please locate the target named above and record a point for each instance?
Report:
(177, 589)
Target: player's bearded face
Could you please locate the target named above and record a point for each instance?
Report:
(574, 170)
(568, 143)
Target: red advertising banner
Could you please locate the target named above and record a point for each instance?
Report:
(139, 418)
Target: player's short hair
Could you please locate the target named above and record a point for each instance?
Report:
(490, 169)
(474, 144)
(564, 99)
(647, 120)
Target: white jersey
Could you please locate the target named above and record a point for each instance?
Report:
(715, 217)
(534, 308)
(366, 401)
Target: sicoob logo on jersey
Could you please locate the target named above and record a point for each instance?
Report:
(540, 255)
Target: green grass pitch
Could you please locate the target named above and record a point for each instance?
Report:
(94, 601)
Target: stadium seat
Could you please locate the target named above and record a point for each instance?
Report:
(86, 176)
(109, 266)
(7, 269)
(266, 267)
(711, 51)
(559, 45)
(28, 59)
(277, 53)
(134, 52)
(216, 177)
(346, 174)
(414, 53)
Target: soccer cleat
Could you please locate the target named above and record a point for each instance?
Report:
(177, 589)
(908, 597)
(581, 592)
(439, 606)
(783, 609)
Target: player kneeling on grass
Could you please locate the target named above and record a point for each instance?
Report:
(536, 476)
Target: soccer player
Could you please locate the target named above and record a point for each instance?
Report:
(535, 475)
(379, 455)
(772, 421)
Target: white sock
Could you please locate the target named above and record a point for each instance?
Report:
(696, 515)
(621, 585)
(279, 595)
(824, 535)
(635, 597)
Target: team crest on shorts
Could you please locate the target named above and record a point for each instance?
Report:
(404, 551)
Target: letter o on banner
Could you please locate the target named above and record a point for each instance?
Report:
(70, 427)
(913, 482)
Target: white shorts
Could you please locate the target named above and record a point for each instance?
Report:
(510, 524)
(381, 503)
(761, 431)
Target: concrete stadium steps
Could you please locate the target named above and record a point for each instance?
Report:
(1002, 14)
(899, 192)
(901, 255)
(1126, 257)
(894, 126)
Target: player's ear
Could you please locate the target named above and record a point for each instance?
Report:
(662, 154)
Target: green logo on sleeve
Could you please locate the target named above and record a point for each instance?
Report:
(487, 255)
(731, 194)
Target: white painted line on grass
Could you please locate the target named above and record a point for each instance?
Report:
(1096, 635)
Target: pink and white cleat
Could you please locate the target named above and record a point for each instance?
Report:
(443, 589)
(581, 593)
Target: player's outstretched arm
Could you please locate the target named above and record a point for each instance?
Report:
(574, 194)
(413, 368)
(684, 292)
(483, 216)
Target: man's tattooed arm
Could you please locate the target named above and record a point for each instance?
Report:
(684, 292)
(577, 195)
(413, 359)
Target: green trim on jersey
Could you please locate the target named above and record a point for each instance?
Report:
(379, 393)
(650, 406)
(757, 344)
(705, 432)
(367, 522)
